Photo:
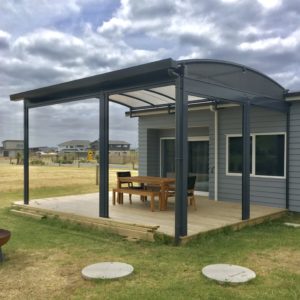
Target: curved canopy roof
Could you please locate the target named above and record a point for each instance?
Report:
(152, 85)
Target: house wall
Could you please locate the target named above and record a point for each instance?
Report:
(264, 191)
(294, 167)
(153, 128)
(12, 153)
(13, 145)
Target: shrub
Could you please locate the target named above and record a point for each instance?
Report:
(37, 162)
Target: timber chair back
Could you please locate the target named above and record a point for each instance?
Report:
(127, 184)
(125, 174)
(190, 191)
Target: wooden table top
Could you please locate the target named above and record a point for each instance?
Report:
(148, 179)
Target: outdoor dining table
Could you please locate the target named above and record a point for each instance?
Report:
(162, 183)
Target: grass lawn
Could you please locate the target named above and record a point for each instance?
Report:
(44, 258)
(49, 181)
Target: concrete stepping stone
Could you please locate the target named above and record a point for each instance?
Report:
(106, 270)
(225, 273)
(295, 225)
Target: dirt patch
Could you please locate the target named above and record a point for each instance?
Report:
(39, 275)
(285, 259)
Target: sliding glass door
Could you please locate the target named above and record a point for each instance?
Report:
(198, 160)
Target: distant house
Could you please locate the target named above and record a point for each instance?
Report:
(74, 146)
(119, 151)
(114, 145)
(12, 147)
(119, 146)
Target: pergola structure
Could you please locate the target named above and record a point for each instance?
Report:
(165, 84)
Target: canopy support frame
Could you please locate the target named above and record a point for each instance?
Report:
(26, 152)
(181, 157)
(104, 156)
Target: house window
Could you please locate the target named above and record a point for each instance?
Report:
(235, 150)
(267, 155)
(198, 162)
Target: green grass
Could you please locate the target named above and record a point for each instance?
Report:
(44, 259)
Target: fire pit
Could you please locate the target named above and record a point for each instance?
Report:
(4, 238)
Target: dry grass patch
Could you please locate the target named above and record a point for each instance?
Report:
(38, 275)
(266, 262)
(45, 176)
(49, 181)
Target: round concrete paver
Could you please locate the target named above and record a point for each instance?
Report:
(106, 270)
(224, 273)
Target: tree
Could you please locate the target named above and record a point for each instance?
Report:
(19, 157)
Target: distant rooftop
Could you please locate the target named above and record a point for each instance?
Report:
(75, 142)
(12, 141)
(115, 142)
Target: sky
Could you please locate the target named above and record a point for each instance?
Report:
(44, 42)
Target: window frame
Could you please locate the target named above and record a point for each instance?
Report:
(253, 173)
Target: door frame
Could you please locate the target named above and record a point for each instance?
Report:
(190, 139)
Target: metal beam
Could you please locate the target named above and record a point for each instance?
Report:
(103, 156)
(246, 162)
(287, 161)
(273, 104)
(207, 89)
(172, 105)
(181, 158)
(41, 103)
(26, 153)
(141, 75)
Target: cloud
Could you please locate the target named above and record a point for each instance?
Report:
(248, 32)
(62, 122)
(50, 44)
(47, 42)
(289, 43)
(269, 4)
(167, 20)
(4, 39)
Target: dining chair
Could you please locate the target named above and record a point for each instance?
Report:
(190, 191)
(128, 184)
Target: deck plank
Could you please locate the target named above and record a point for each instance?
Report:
(210, 215)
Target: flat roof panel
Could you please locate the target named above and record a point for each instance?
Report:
(149, 96)
(168, 90)
(127, 101)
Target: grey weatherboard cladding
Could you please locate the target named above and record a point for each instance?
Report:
(264, 191)
(294, 167)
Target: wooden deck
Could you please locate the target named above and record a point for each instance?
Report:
(126, 219)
